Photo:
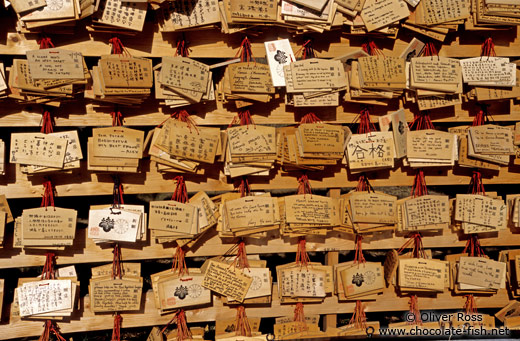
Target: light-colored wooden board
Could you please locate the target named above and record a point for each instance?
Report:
(85, 250)
(149, 316)
(84, 183)
(84, 113)
(213, 44)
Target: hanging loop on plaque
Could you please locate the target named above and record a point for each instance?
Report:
(182, 48)
(414, 311)
(116, 330)
(45, 42)
(48, 194)
(181, 193)
(359, 318)
(243, 328)
(47, 123)
(117, 263)
(245, 51)
(48, 271)
(179, 263)
(487, 49)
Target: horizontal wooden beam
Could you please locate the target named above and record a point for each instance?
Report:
(84, 183)
(212, 43)
(85, 250)
(84, 113)
(85, 320)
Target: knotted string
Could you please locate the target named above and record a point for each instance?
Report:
(415, 241)
(243, 328)
(299, 316)
(365, 126)
(45, 42)
(487, 49)
(414, 309)
(302, 258)
(117, 263)
(306, 51)
(47, 123)
(359, 318)
(116, 330)
(117, 47)
(358, 255)
(117, 192)
(48, 268)
(429, 50)
(473, 248)
(117, 118)
(419, 185)
(182, 47)
(179, 318)
(245, 52)
(483, 116)
(48, 328)
(364, 185)
(243, 187)
(181, 193)
(179, 263)
(304, 186)
(182, 116)
(240, 260)
(476, 186)
(310, 118)
(421, 121)
(371, 49)
(243, 118)
(48, 194)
